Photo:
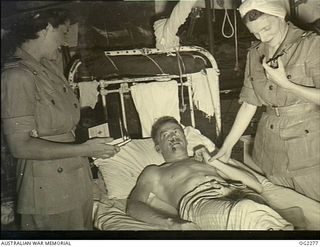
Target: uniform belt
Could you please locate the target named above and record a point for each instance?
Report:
(66, 137)
(292, 109)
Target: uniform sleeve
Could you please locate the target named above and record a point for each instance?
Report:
(18, 101)
(313, 60)
(247, 93)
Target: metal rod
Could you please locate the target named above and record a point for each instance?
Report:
(193, 122)
(142, 79)
(123, 110)
(210, 26)
(104, 104)
(106, 91)
(236, 66)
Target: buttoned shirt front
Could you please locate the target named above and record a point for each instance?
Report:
(37, 99)
(285, 145)
(300, 54)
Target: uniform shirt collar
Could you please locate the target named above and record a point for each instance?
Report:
(37, 66)
(25, 55)
(293, 35)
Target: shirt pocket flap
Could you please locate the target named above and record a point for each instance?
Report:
(299, 130)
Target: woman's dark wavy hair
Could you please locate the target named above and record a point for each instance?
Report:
(157, 124)
(26, 27)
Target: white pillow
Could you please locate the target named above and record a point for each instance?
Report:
(120, 172)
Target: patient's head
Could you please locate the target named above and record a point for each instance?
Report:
(169, 138)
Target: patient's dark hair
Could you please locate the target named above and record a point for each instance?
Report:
(252, 15)
(157, 124)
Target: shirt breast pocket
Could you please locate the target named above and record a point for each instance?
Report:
(297, 74)
(302, 143)
(55, 114)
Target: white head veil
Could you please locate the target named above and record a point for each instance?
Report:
(271, 7)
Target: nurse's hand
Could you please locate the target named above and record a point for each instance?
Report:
(99, 148)
(277, 75)
(223, 154)
(199, 154)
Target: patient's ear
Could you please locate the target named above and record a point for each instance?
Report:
(157, 147)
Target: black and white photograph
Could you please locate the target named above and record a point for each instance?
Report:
(160, 120)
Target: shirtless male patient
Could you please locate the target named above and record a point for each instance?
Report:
(186, 194)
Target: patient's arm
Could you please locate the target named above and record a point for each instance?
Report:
(234, 173)
(139, 203)
(279, 197)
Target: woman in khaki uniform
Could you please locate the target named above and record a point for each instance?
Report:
(39, 113)
(282, 73)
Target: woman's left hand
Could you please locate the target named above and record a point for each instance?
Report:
(277, 75)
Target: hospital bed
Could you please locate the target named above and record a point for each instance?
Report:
(126, 69)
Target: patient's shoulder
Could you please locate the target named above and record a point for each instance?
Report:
(150, 172)
(151, 167)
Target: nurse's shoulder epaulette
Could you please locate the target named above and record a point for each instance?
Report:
(12, 62)
(254, 44)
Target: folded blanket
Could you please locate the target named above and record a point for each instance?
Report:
(219, 206)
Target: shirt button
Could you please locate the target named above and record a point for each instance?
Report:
(251, 78)
(75, 105)
(271, 126)
(53, 102)
(289, 77)
(306, 131)
(35, 72)
(270, 87)
(60, 169)
(65, 89)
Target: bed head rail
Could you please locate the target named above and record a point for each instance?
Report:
(183, 80)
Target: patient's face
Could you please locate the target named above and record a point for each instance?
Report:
(171, 140)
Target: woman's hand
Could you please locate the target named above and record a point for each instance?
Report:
(223, 154)
(277, 75)
(99, 148)
(199, 154)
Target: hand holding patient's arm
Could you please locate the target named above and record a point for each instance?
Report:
(243, 118)
(234, 173)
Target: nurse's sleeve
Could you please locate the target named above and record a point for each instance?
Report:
(18, 101)
(247, 93)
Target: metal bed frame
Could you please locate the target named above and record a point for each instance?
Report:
(124, 88)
